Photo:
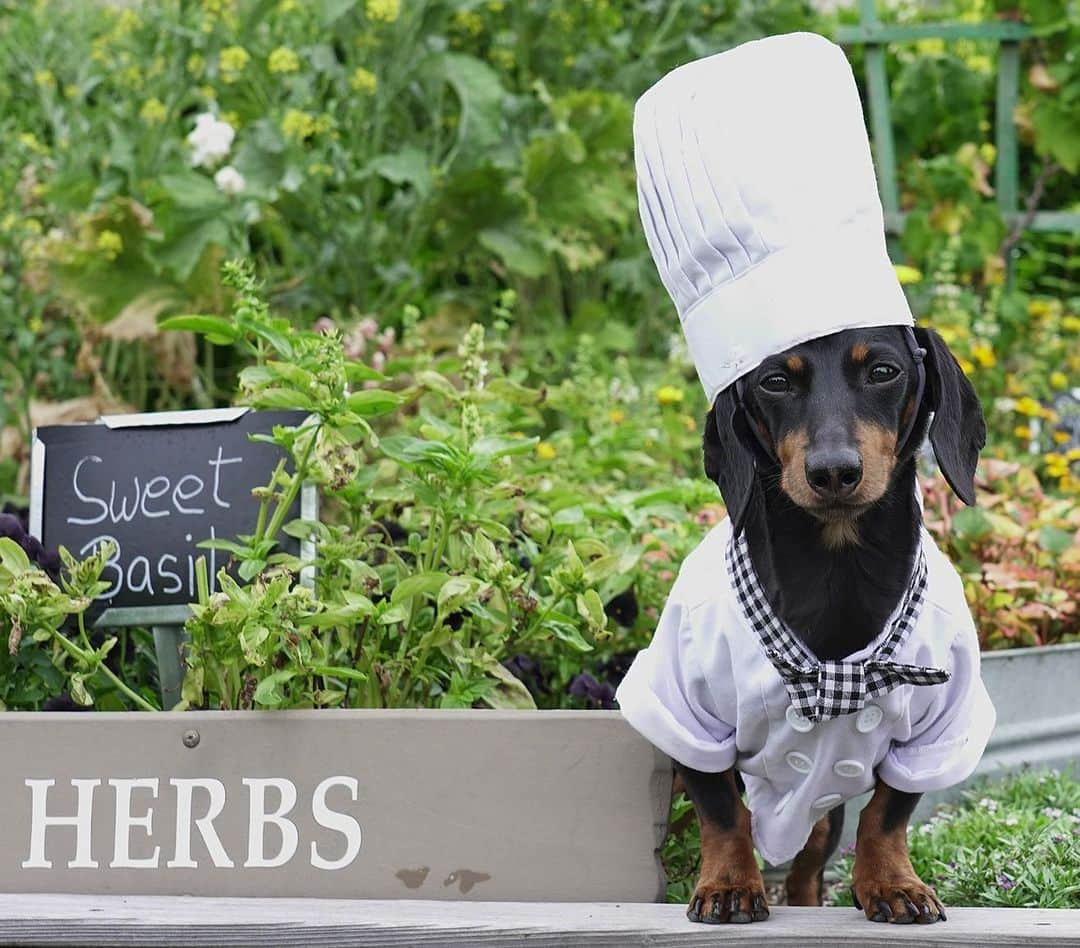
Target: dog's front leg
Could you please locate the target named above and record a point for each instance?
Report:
(729, 887)
(884, 884)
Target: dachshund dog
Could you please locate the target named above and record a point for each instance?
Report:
(814, 453)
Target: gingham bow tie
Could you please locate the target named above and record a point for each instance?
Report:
(824, 690)
(831, 689)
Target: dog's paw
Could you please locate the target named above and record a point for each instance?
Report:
(900, 901)
(716, 902)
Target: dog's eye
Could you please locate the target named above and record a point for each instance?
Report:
(775, 383)
(882, 372)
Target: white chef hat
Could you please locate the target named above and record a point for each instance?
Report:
(757, 194)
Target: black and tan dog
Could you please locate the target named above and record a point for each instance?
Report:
(814, 453)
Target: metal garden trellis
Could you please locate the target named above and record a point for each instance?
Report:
(874, 35)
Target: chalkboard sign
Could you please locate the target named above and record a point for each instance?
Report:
(156, 485)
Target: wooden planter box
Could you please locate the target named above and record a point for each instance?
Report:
(559, 806)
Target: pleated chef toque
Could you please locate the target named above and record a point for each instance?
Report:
(757, 194)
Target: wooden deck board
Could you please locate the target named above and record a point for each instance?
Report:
(98, 920)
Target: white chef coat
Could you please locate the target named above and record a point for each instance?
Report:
(705, 693)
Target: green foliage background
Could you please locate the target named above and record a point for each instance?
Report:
(446, 268)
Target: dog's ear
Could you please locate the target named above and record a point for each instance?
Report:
(958, 430)
(728, 462)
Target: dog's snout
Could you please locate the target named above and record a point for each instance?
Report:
(834, 474)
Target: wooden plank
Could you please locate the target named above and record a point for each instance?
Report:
(156, 921)
(414, 804)
(876, 32)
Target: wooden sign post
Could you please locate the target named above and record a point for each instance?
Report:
(156, 485)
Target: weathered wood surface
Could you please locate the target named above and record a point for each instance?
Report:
(192, 922)
(466, 805)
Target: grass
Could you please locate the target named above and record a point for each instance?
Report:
(1011, 844)
(1014, 843)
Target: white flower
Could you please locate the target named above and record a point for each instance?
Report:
(229, 180)
(210, 141)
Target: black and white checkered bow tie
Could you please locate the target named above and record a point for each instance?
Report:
(824, 690)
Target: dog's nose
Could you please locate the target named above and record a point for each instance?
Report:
(834, 474)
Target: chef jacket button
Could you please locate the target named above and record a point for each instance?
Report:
(798, 720)
(782, 802)
(869, 718)
(849, 768)
(829, 800)
(799, 762)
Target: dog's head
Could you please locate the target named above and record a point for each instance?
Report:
(833, 418)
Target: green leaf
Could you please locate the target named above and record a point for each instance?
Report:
(194, 192)
(358, 372)
(409, 450)
(13, 557)
(338, 671)
(251, 637)
(567, 632)
(217, 330)
(408, 166)
(419, 584)
(591, 609)
(283, 398)
(338, 615)
(268, 692)
(185, 250)
(496, 447)
(455, 592)
(1055, 540)
(519, 250)
(481, 128)
(971, 523)
(373, 401)
(509, 692)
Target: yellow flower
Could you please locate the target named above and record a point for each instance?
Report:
(949, 334)
(469, 22)
(109, 244)
(688, 423)
(1059, 379)
(1069, 485)
(616, 416)
(1040, 308)
(983, 354)
(1028, 406)
(987, 152)
(669, 395)
(906, 274)
(131, 77)
(45, 79)
(1071, 323)
(382, 11)
(195, 65)
(30, 140)
(298, 125)
(1060, 437)
(503, 58)
(153, 111)
(546, 451)
(363, 80)
(1023, 432)
(966, 366)
(232, 60)
(287, 6)
(283, 59)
